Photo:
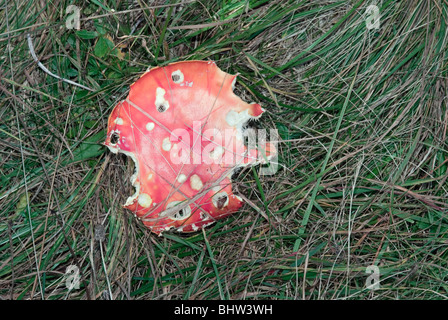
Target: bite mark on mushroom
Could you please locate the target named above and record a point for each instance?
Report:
(220, 200)
(183, 213)
(130, 200)
(177, 76)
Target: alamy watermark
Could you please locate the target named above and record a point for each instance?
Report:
(373, 280)
(72, 277)
(372, 17)
(73, 21)
(226, 147)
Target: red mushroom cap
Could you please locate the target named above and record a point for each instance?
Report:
(183, 127)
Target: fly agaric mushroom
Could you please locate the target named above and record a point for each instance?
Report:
(183, 127)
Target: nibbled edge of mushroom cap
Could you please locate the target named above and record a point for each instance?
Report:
(199, 218)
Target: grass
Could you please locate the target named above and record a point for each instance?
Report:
(362, 179)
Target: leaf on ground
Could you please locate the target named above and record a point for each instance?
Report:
(85, 34)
